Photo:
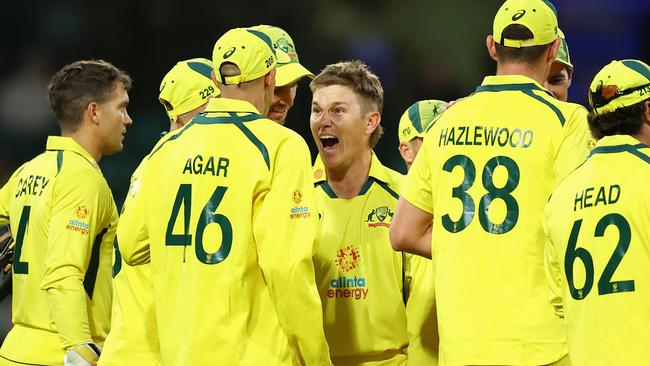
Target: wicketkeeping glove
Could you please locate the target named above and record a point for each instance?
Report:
(7, 246)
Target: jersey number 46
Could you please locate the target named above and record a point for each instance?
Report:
(208, 216)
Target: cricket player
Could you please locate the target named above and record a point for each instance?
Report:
(133, 339)
(478, 188)
(64, 219)
(422, 325)
(287, 74)
(224, 213)
(597, 242)
(559, 77)
(360, 279)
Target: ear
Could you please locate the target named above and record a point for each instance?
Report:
(646, 111)
(406, 152)
(92, 112)
(269, 79)
(492, 49)
(372, 122)
(552, 51)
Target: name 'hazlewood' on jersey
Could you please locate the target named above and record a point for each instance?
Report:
(487, 136)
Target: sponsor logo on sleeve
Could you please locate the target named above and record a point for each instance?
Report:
(82, 212)
(299, 211)
(77, 224)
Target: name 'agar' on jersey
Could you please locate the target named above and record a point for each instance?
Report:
(199, 165)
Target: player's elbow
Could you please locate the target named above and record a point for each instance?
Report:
(398, 236)
(135, 256)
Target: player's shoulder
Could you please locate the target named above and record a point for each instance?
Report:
(395, 178)
(75, 170)
(566, 112)
(277, 136)
(388, 178)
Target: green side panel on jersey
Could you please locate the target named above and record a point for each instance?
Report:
(93, 265)
(555, 109)
(59, 161)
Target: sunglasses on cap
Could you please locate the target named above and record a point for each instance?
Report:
(606, 93)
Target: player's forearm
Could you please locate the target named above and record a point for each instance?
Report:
(410, 230)
(67, 302)
(416, 242)
(299, 310)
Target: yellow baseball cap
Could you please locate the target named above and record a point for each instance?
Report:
(419, 118)
(286, 72)
(563, 52)
(251, 50)
(619, 84)
(187, 86)
(539, 16)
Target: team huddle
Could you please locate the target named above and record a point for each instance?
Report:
(516, 238)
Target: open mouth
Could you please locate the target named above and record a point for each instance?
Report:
(329, 142)
(279, 110)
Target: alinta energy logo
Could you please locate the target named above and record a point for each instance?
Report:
(347, 259)
(298, 211)
(81, 212)
(380, 214)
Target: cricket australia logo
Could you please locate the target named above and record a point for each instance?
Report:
(347, 258)
(380, 214)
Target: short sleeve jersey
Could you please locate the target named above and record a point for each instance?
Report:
(485, 171)
(598, 254)
(63, 219)
(359, 275)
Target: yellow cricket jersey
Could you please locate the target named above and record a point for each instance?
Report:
(63, 219)
(224, 212)
(422, 324)
(598, 254)
(133, 339)
(359, 276)
(485, 171)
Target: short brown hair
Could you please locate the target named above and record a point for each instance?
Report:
(524, 54)
(357, 76)
(79, 83)
(622, 121)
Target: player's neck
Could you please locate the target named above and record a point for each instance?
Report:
(347, 181)
(644, 134)
(254, 96)
(535, 72)
(85, 140)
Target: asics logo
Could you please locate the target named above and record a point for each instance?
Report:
(229, 52)
(518, 15)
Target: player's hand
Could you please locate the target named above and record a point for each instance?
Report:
(7, 246)
(85, 354)
(450, 104)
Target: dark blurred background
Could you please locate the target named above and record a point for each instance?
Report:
(421, 49)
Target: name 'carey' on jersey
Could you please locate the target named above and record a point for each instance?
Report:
(200, 165)
(485, 136)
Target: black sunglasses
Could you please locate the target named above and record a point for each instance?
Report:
(606, 93)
